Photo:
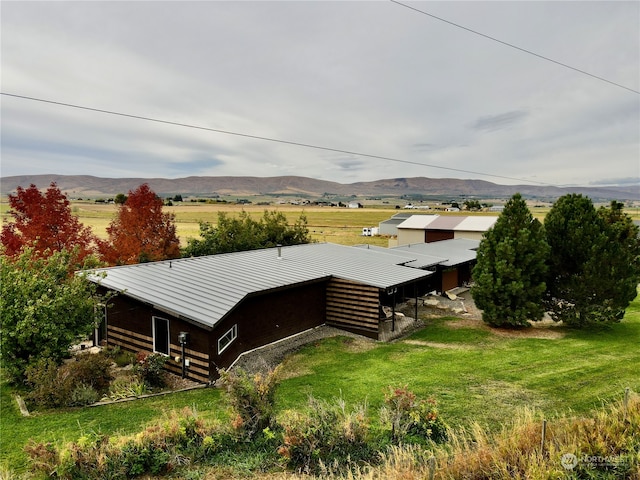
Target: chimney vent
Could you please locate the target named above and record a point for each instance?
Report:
(279, 251)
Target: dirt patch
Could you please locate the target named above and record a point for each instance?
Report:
(547, 332)
(472, 318)
(451, 346)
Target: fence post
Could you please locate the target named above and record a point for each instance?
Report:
(544, 434)
(432, 467)
(626, 403)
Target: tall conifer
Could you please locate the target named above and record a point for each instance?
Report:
(509, 275)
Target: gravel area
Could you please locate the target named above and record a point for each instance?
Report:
(270, 356)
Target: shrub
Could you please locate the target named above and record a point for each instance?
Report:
(83, 395)
(91, 370)
(409, 418)
(120, 357)
(150, 368)
(126, 387)
(251, 399)
(325, 433)
(50, 386)
(79, 382)
(162, 447)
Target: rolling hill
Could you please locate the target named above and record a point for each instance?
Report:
(90, 186)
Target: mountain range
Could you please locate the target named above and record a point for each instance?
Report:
(76, 186)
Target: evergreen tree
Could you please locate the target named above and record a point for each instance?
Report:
(511, 268)
(594, 261)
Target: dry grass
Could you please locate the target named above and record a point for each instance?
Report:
(605, 444)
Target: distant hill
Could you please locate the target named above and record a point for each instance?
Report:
(89, 186)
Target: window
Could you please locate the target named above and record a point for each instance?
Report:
(227, 339)
(161, 335)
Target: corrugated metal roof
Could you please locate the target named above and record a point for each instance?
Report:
(418, 221)
(476, 224)
(447, 222)
(205, 289)
(413, 259)
(456, 251)
(396, 219)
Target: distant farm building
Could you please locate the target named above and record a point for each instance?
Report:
(390, 226)
(435, 228)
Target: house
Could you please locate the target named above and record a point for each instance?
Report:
(458, 257)
(451, 261)
(354, 204)
(205, 312)
(434, 228)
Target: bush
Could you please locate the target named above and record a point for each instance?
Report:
(251, 399)
(82, 395)
(49, 386)
(174, 442)
(325, 433)
(410, 419)
(150, 368)
(71, 384)
(120, 357)
(92, 370)
(126, 387)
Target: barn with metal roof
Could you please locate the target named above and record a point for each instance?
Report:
(204, 312)
(434, 228)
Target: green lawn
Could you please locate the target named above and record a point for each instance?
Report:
(70, 424)
(474, 374)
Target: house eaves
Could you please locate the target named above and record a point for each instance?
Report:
(205, 289)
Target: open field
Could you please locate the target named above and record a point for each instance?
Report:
(326, 224)
(474, 372)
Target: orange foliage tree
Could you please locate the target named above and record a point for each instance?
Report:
(44, 222)
(141, 232)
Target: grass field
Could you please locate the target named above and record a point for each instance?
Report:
(474, 373)
(326, 224)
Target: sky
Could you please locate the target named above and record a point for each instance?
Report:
(386, 91)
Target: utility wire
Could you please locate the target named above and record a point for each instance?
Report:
(513, 46)
(267, 139)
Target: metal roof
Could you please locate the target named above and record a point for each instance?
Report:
(413, 259)
(455, 251)
(205, 289)
(447, 222)
(396, 219)
(477, 223)
(418, 221)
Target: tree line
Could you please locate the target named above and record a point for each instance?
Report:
(581, 266)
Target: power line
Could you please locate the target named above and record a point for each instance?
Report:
(513, 46)
(267, 139)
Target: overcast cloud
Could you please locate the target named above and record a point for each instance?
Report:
(367, 77)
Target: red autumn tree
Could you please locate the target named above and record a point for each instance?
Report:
(44, 222)
(141, 232)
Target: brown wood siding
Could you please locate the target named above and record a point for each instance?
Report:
(353, 306)
(437, 235)
(449, 279)
(265, 318)
(129, 325)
